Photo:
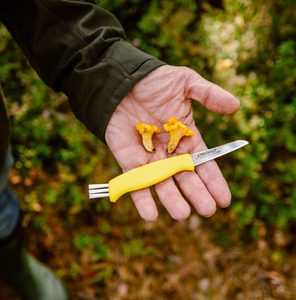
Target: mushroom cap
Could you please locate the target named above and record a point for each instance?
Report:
(174, 124)
(147, 128)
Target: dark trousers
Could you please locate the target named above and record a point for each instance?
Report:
(9, 206)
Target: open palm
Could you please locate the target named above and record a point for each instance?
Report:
(166, 92)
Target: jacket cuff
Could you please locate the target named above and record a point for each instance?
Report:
(96, 88)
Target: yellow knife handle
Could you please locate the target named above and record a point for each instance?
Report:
(148, 175)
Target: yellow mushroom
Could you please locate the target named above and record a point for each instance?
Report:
(177, 130)
(147, 131)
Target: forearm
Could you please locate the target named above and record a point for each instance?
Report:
(78, 48)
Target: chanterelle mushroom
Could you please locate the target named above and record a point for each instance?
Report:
(147, 131)
(177, 130)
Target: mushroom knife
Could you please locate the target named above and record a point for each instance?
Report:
(157, 171)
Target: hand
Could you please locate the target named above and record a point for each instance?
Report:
(166, 92)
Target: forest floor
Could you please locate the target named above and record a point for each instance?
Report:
(134, 259)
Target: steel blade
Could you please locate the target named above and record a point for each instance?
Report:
(210, 154)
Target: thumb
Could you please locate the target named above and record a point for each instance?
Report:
(210, 95)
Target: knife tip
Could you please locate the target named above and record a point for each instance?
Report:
(243, 142)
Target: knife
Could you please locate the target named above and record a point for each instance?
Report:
(157, 171)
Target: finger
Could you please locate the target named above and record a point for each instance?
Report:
(196, 192)
(210, 95)
(216, 184)
(171, 198)
(145, 204)
(212, 176)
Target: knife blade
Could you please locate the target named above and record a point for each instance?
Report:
(213, 153)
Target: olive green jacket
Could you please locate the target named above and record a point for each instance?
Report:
(80, 49)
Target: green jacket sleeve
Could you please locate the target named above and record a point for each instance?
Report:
(80, 49)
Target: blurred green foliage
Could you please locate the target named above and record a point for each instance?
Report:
(95, 251)
(94, 244)
(136, 248)
(246, 46)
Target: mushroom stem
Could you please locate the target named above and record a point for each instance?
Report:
(147, 141)
(147, 131)
(177, 130)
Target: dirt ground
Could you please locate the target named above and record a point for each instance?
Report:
(161, 260)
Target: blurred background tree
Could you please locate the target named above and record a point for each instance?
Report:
(246, 46)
